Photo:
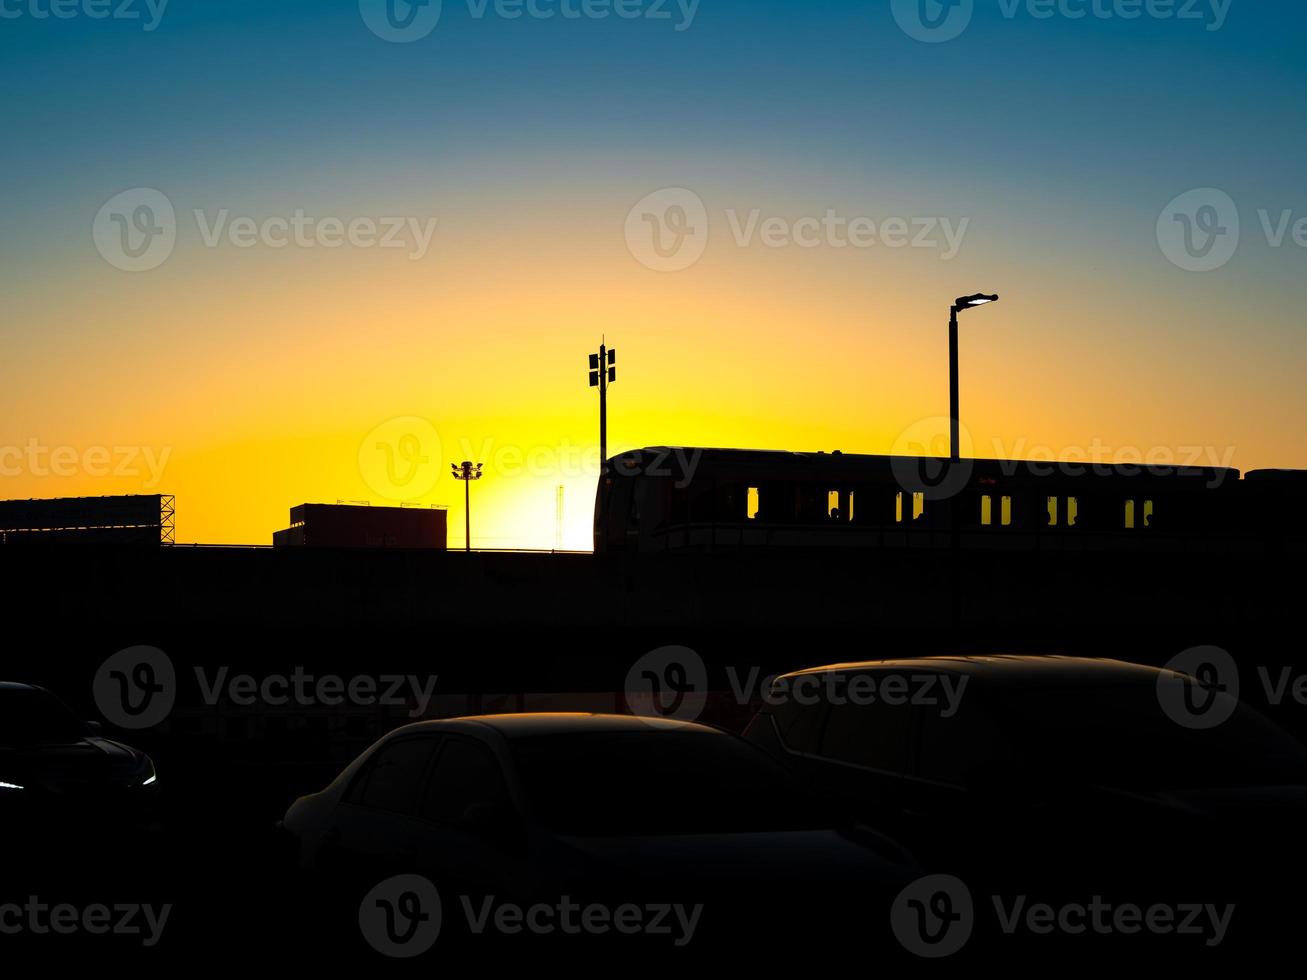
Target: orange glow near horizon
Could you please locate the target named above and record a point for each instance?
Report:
(261, 373)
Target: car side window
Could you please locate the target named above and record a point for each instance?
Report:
(955, 747)
(394, 776)
(875, 734)
(465, 775)
(799, 723)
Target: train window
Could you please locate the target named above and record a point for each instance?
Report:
(833, 504)
(812, 505)
(680, 505)
(1052, 512)
(1148, 513)
(777, 503)
(851, 495)
(898, 508)
(986, 509)
(1129, 514)
(752, 510)
(1005, 511)
(918, 505)
(702, 501)
(1072, 510)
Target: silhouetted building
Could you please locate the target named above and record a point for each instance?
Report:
(358, 526)
(132, 519)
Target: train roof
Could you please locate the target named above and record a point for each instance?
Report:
(979, 468)
(1285, 477)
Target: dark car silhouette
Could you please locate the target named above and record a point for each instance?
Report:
(614, 808)
(57, 771)
(1055, 773)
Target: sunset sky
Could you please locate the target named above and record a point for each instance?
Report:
(264, 376)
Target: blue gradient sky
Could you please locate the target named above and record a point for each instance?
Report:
(1061, 140)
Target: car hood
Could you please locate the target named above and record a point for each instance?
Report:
(86, 763)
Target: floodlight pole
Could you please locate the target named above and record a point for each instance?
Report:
(602, 373)
(603, 405)
(467, 472)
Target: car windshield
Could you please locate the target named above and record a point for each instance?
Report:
(32, 717)
(618, 784)
(1120, 736)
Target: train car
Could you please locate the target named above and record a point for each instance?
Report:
(1272, 503)
(680, 499)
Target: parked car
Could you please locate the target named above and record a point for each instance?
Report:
(611, 808)
(59, 773)
(1029, 772)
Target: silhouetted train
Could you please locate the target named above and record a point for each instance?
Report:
(667, 499)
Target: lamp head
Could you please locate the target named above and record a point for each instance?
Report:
(976, 299)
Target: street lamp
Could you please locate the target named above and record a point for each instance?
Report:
(467, 472)
(960, 304)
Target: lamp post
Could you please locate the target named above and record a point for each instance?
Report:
(960, 304)
(467, 472)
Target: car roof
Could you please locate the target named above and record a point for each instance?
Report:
(558, 723)
(1008, 669)
(17, 686)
